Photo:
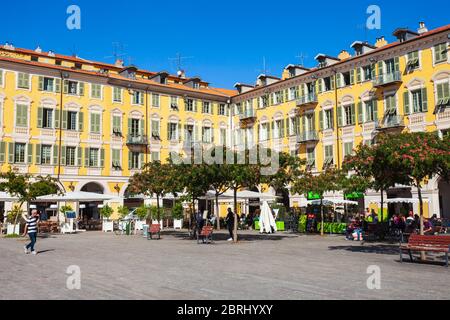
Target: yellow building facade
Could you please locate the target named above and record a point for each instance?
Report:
(93, 125)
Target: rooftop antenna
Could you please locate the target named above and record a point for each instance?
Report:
(366, 31)
(130, 60)
(302, 58)
(264, 70)
(178, 60)
(118, 51)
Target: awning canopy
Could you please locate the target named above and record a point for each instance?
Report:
(332, 202)
(7, 197)
(400, 200)
(78, 196)
(245, 194)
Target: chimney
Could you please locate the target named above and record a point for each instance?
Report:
(119, 63)
(344, 55)
(51, 53)
(181, 74)
(38, 49)
(381, 42)
(422, 28)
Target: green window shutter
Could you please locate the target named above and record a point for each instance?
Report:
(319, 85)
(66, 86)
(321, 118)
(446, 90)
(406, 108)
(11, 152)
(58, 85)
(141, 98)
(380, 68)
(142, 159)
(339, 80)
(303, 124)
(360, 113)
(375, 109)
(339, 111)
(424, 100)
(130, 160)
(333, 80)
(358, 75)
(288, 126)
(55, 154)
(440, 91)
(102, 158)
(86, 157)
(2, 152)
(41, 84)
(80, 121)
(353, 120)
(81, 88)
(302, 88)
(38, 153)
(352, 77)
(142, 127)
(57, 116)
(63, 155)
(179, 131)
(79, 156)
(397, 64)
(168, 131)
(64, 119)
(40, 117)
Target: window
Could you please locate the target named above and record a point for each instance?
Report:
(189, 133)
(348, 148)
(223, 136)
(19, 152)
(35, 58)
(95, 123)
(264, 101)
(293, 93)
(48, 84)
(21, 115)
(416, 99)
(346, 78)
(47, 118)
(327, 84)
(73, 87)
(135, 130)
(23, 80)
(190, 105)
(117, 94)
(264, 132)
(174, 102)
(369, 111)
(173, 131)
(72, 120)
(207, 134)
(115, 157)
(349, 115)
(310, 157)
(222, 111)
(155, 129)
(328, 119)
(134, 160)
(117, 125)
(96, 91)
(93, 157)
(58, 62)
(206, 107)
(46, 154)
(155, 100)
(391, 105)
(443, 94)
(138, 97)
(328, 155)
(155, 156)
(71, 156)
(413, 60)
(440, 53)
(368, 73)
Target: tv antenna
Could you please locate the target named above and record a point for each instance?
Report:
(366, 30)
(264, 69)
(302, 58)
(178, 60)
(118, 51)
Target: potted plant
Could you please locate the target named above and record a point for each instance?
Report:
(66, 227)
(156, 215)
(106, 213)
(13, 228)
(177, 215)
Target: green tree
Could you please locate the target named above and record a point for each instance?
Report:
(123, 211)
(106, 211)
(326, 181)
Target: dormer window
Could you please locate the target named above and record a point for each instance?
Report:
(35, 58)
(78, 66)
(196, 85)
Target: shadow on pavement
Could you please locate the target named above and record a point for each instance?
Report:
(224, 236)
(369, 248)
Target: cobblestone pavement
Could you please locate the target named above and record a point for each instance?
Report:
(281, 266)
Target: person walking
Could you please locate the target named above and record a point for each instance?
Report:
(230, 223)
(31, 230)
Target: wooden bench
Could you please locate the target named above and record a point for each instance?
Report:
(205, 235)
(154, 229)
(426, 243)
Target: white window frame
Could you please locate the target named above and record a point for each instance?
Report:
(121, 95)
(325, 118)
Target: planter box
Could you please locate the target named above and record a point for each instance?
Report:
(280, 225)
(178, 224)
(11, 230)
(139, 225)
(108, 226)
(67, 227)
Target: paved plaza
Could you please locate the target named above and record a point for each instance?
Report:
(281, 266)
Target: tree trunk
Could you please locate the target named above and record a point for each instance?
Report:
(419, 192)
(17, 216)
(217, 212)
(382, 203)
(235, 239)
(321, 216)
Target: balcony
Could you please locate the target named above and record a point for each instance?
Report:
(310, 98)
(247, 114)
(307, 136)
(390, 122)
(137, 140)
(387, 79)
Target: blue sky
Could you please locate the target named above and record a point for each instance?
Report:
(226, 40)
